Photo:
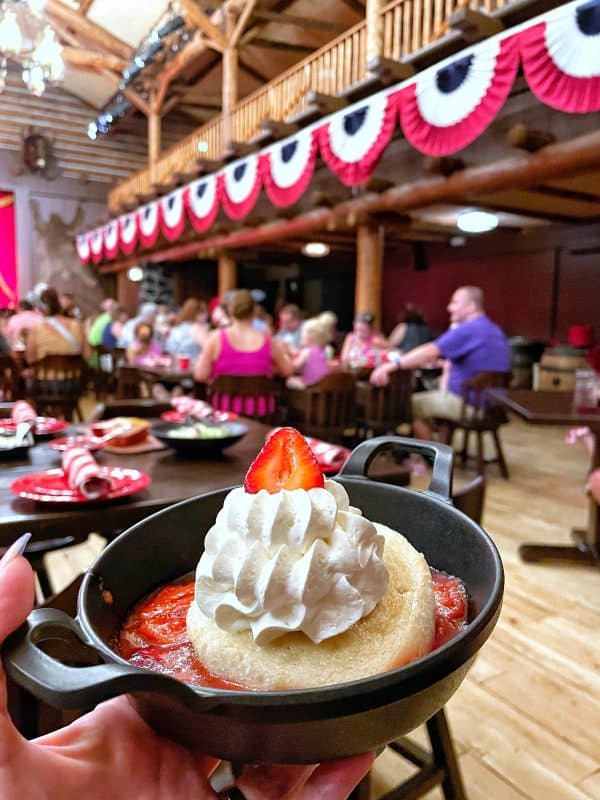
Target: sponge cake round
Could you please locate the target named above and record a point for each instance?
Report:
(398, 630)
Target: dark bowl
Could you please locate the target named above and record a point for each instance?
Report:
(199, 446)
(9, 453)
(303, 726)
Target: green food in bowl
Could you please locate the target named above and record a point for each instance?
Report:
(199, 431)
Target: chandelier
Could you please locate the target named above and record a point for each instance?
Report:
(30, 44)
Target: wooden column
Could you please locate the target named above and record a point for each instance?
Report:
(369, 269)
(154, 145)
(229, 89)
(227, 276)
(374, 21)
(128, 293)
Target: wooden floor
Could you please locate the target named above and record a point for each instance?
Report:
(526, 721)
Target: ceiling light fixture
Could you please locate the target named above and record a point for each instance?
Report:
(26, 41)
(135, 274)
(474, 221)
(316, 249)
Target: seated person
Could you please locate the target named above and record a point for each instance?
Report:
(240, 350)
(56, 334)
(472, 344)
(144, 349)
(311, 360)
(411, 331)
(362, 344)
(290, 326)
(190, 331)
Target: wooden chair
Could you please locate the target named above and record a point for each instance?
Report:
(105, 363)
(57, 385)
(325, 410)
(257, 394)
(380, 409)
(9, 379)
(487, 419)
(470, 497)
(131, 383)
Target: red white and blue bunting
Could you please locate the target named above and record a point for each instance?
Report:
(96, 240)
(128, 233)
(83, 247)
(561, 58)
(111, 239)
(202, 202)
(353, 140)
(286, 168)
(441, 110)
(148, 220)
(239, 187)
(172, 215)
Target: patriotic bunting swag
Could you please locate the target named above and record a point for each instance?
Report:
(83, 247)
(202, 202)
(172, 215)
(441, 110)
(239, 187)
(449, 106)
(111, 239)
(353, 141)
(128, 233)
(96, 243)
(287, 168)
(561, 58)
(148, 220)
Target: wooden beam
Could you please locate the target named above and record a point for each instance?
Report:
(326, 103)
(290, 47)
(88, 59)
(519, 171)
(254, 73)
(355, 5)
(374, 32)
(88, 30)
(243, 20)
(227, 274)
(442, 165)
(390, 71)
(474, 25)
(198, 18)
(301, 22)
(229, 85)
(369, 269)
(524, 138)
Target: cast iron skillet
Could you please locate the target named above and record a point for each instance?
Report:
(304, 726)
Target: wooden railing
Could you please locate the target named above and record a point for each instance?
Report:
(408, 25)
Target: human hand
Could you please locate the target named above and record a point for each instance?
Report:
(381, 374)
(112, 752)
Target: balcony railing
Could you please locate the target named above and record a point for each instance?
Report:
(408, 25)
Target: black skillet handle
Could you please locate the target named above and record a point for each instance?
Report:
(63, 686)
(440, 456)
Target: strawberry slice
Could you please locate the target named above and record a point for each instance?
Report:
(285, 462)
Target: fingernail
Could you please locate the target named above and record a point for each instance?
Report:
(16, 549)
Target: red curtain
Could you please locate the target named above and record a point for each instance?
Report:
(8, 253)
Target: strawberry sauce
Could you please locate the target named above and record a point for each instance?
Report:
(154, 634)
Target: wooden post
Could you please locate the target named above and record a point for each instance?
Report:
(369, 269)
(154, 131)
(227, 277)
(229, 92)
(374, 20)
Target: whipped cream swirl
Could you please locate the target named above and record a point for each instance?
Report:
(291, 561)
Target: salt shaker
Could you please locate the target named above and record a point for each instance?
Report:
(584, 394)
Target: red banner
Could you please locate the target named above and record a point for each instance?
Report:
(8, 252)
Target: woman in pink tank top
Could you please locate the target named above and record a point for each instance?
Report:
(241, 350)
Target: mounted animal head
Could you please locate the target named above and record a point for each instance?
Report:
(38, 156)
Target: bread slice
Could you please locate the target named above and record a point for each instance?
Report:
(397, 631)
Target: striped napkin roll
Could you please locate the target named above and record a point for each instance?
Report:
(23, 412)
(197, 408)
(84, 474)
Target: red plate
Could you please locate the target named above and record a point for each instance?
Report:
(51, 486)
(89, 443)
(44, 426)
(335, 466)
(216, 416)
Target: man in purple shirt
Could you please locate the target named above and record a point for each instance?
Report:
(472, 344)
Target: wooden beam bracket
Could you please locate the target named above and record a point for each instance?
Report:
(523, 138)
(325, 103)
(390, 71)
(442, 165)
(206, 165)
(234, 150)
(474, 25)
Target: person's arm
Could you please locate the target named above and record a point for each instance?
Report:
(300, 359)
(206, 359)
(414, 358)
(346, 347)
(396, 337)
(282, 363)
(31, 354)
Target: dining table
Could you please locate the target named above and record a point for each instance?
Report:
(556, 408)
(173, 477)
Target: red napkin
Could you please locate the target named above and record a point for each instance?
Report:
(200, 409)
(84, 474)
(330, 457)
(23, 412)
